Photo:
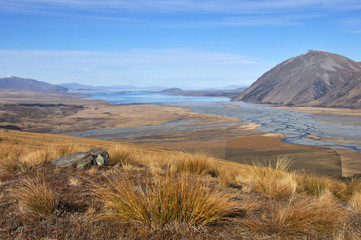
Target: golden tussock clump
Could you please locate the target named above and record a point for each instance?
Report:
(274, 182)
(298, 217)
(36, 196)
(164, 200)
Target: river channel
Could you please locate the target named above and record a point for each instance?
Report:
(295, 126)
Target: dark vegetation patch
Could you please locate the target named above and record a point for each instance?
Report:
(19, 116)
(11, 127)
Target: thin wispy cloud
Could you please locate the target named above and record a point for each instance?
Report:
(171, 6)
(352, 24)
(217, 12)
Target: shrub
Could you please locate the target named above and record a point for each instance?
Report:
(164, 200)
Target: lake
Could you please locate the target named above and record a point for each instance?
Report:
(142, 97)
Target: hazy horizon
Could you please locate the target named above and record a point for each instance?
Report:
(187, 44)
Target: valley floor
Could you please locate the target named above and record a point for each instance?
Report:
(234, 141)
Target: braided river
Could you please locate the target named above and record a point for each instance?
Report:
(296, 126)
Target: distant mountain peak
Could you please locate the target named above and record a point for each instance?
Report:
(9, 76)
(11, 82)
(316, 78)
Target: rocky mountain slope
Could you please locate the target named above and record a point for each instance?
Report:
(316, 78)
(17, 83)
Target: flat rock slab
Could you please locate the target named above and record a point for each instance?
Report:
(81, 160)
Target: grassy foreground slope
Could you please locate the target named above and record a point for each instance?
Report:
(155, 194)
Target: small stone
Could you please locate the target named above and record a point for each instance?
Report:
(84, 163)
(99, 160)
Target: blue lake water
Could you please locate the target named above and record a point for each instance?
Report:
(294, 125)
(143, 97)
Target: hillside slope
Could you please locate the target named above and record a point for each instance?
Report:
(316, 78)
(25, 84)
(155, 194)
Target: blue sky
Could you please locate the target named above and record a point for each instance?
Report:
(181, 43)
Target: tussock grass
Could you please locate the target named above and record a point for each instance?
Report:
(300, 217)
(273, 181)
(226, 176)
(36, 196)
(175, 193)
(67, 149)
(164, 200)
(198, 164)
(311, 184)
(355, 201)
(9, 157)
(33, 158)
(347, 190)
(17, 158)
(123, 156)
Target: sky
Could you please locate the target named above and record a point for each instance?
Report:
(191, 44)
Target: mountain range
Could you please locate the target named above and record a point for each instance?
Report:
(25, 84)
(316, 78)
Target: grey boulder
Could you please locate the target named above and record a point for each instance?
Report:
(81, 160)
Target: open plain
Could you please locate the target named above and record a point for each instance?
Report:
(214, 170)
(174, 127)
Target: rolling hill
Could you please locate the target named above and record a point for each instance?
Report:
(316, 78)
(26, 84)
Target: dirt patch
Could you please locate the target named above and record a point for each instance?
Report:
(350, 161)
(249, 150)
(332, 140)
(318, 110)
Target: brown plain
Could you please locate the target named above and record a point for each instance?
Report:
(238, 143)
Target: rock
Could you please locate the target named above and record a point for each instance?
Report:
(81, 160)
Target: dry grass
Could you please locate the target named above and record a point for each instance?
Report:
(67, 149)
(9, 157)
(198, 164)
(173, 193)
(17, 158)
(164, 200)
(273, 181)
(123, 156)
(355, 201)
(348, 189)
(298, 218)
(311, 184)
(36, 196)
(314, 185)
(74, 181)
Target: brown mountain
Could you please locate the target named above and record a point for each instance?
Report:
(316, 78)
(17, 83)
